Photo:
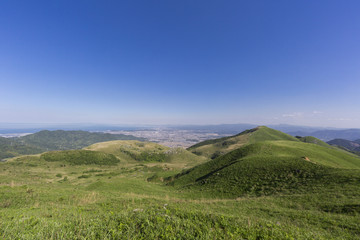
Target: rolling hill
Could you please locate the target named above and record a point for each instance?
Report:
(217, 147)
(261, 166)
(54, 140)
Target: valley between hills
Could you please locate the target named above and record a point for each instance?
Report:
(258, 184)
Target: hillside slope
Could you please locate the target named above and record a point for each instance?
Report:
(217, 147)
(269, 167)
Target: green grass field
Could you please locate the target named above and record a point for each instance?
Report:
(264, 190)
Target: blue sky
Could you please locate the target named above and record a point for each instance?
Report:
(180, 62)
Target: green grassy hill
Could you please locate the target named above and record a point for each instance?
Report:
(217, 147)
(269, 167)
(54, 140)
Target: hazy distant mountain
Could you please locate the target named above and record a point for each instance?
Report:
(304, 130)
(350, 145)
(236, 128)
(220, 128)
(327, 135)
(33, 128)
(323, 133)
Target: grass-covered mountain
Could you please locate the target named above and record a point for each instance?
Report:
(267, 163)
(54, 140)
(217, 147)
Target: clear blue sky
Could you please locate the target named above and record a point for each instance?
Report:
(188, 62)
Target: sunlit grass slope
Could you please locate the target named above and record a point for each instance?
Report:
(269, 167)
(132, 151)
(217, 147)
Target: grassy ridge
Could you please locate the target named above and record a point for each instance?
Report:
(218, 147)
(263, 133)
(271, 167)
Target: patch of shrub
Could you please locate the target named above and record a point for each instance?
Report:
(80, 157)
(84, 176)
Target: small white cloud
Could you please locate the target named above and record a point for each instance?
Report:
(292, 115)
(317, 112)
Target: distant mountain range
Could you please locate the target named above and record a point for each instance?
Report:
(353, 146)
(54, 140)
(327, 135)
(324, 134)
